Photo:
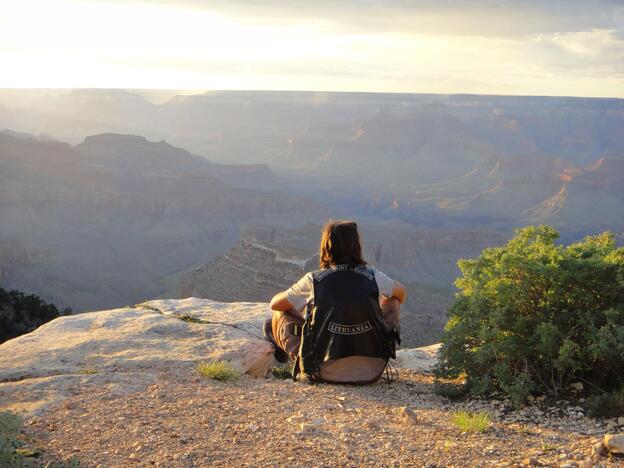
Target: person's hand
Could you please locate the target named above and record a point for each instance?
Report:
(390, 307)
(387, 302)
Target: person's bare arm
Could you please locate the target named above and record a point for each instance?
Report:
(280, 302)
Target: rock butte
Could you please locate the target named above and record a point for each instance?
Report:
(126, 349)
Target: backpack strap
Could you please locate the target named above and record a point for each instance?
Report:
(296, 370)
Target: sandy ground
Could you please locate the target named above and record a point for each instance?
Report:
(186, 420)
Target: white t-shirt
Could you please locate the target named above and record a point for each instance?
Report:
(302, 292)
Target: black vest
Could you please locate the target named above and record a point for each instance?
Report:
(345, 320)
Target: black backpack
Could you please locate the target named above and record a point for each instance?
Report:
(345, 320)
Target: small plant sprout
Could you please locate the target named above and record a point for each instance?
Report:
(282, 373)
(546, 447)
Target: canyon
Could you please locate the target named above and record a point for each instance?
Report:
(112, 197)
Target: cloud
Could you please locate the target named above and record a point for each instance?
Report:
(500, 18)
(590, 53)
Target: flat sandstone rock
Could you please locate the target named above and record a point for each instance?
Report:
(97, 348)
(124, 350)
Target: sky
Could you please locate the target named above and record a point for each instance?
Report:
(527, 47)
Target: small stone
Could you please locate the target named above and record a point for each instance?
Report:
(620, 421)
(310, 426)
(489, 450)
(409, 416)
(133, 456)
(252, 427)
(530, 461)
(614, 443)
(598, 449)
(295, 418)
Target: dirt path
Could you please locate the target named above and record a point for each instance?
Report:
(189, 421)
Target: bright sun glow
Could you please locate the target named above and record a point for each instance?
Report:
(64, 43)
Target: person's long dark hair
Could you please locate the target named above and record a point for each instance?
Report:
(340, 245)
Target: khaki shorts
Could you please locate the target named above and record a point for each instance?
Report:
(287, 331)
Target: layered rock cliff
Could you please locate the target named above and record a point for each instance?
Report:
(112, 221)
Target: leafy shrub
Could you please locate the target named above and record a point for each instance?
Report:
(217, 370)
(534, 316)
(471, 422)
(21, 313)
(13, 454)
(605, 405)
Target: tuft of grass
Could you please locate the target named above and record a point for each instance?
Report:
(471, 422)
(189, 319)
(546, 447)
(217, 370)
(282, 373)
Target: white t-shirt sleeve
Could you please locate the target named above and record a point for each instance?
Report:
(385, 284)
(300, 293)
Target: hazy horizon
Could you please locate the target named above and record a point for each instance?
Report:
(194, 92)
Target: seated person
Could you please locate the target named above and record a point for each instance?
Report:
(347, 313)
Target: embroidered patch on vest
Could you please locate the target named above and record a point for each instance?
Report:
(349, 329)
(320, 275)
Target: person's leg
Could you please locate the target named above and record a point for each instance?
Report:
(267, 330)
(287, 331)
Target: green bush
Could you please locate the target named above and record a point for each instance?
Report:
(21, 313)
(9, 444)
(534, 316)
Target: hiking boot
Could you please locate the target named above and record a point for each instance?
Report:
(279, 354)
